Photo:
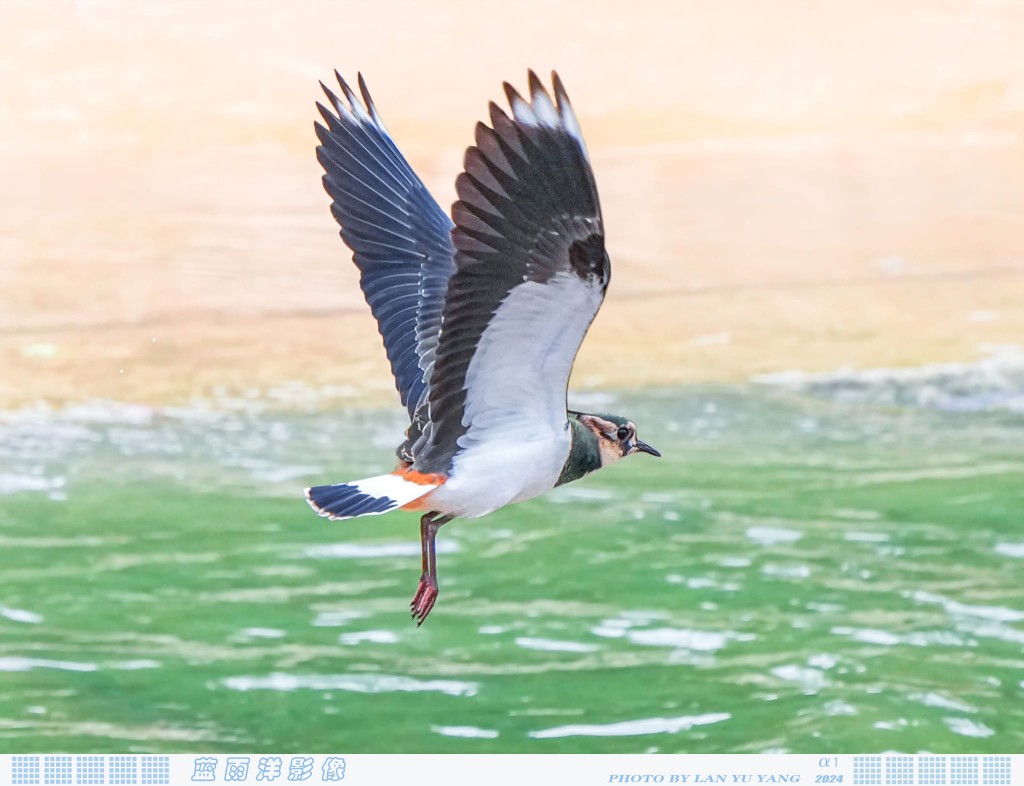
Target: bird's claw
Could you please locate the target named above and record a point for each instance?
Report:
(424, 599)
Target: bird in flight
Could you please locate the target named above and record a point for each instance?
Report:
(481, 314)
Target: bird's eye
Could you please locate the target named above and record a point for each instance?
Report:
(622, 433)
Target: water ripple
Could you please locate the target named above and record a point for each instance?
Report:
(550, 645)
(633, 727)
(471, 732)
(27, 664)
(357, 683)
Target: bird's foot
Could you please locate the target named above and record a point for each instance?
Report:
(424, 599)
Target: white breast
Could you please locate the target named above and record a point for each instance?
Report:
(517, 438)
(487, 476)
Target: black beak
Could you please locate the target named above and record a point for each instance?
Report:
(645, 448)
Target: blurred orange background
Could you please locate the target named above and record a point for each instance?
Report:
(785, 185)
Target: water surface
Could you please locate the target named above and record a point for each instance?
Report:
(811, 567)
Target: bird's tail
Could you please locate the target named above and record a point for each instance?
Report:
(372, 496)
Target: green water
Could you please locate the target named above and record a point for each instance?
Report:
(799, 573)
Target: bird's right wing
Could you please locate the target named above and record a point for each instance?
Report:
(400, 237)
(531, 273)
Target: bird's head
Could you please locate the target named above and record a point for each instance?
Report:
(616, 436)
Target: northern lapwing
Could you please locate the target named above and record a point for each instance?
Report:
(481, 314)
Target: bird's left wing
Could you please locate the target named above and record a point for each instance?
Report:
(531, 272)
(399, 236)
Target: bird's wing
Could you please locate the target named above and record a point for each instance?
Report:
(531, 272)
(399, 236)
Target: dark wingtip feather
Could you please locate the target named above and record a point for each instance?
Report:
(367, 100)
(343, 85)
(511, 94)
(497, 114)
(561, 97)
(339, 108)
(323, 134)
(325, 113)
(535, 83)
(349, 93)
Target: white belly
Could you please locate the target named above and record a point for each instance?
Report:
(485, 477)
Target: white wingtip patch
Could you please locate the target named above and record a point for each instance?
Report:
(544, 110)
(522, 112)
(355, 112)
(360, 111)
(340, 109)
(569, 121)
(571, 124)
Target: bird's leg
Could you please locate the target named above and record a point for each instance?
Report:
(426, 594)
